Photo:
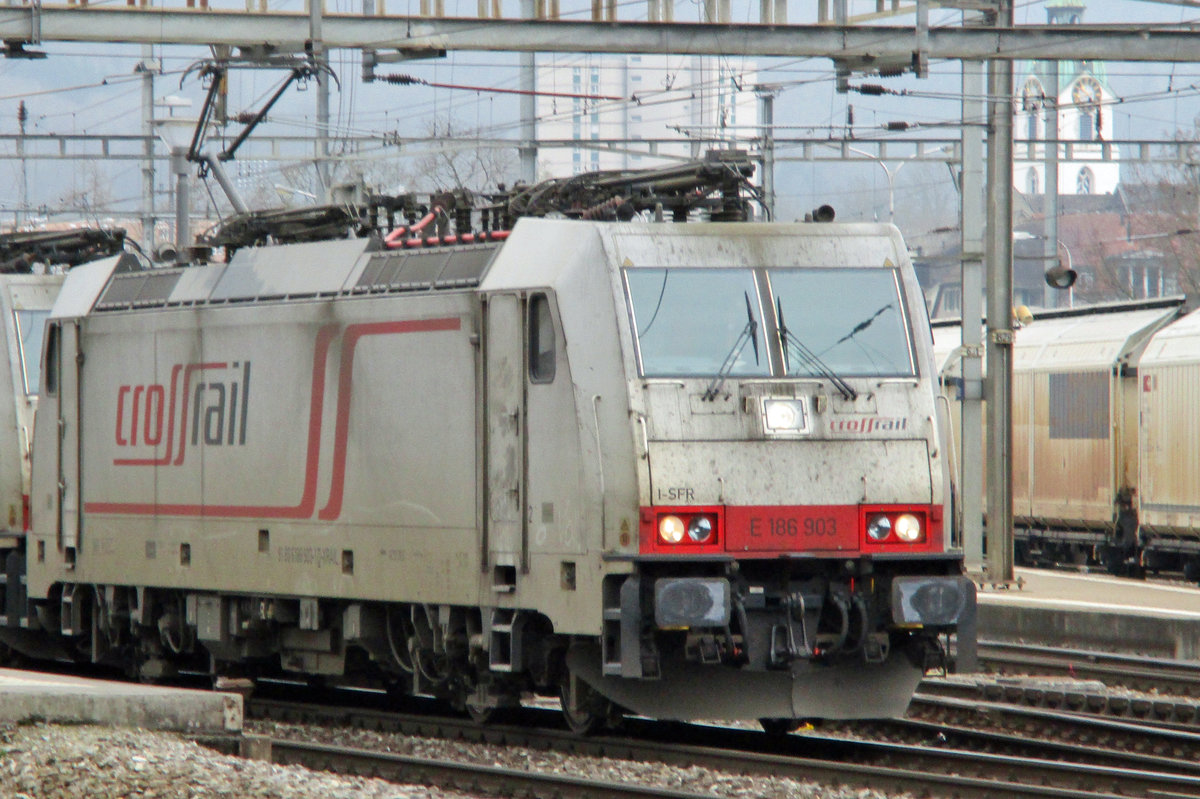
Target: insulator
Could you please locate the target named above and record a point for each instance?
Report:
(400, 80)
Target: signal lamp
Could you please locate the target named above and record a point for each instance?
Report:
(671, 529)
(879, 527)
(700, 529)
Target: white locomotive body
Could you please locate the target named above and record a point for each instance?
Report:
(25, 301)
(687, 470)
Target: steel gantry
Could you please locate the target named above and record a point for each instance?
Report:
(416, 35)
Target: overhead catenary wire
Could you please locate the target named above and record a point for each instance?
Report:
(409, 80)
(667, 100)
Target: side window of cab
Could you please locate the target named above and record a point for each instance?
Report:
(542, 341)
(52, 359)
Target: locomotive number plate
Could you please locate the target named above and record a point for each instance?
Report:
(796, 528)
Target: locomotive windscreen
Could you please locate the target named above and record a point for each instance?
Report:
(853, 320)
(688, 322)
(31, 325)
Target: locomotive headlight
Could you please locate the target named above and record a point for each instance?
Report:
(785, 416)
(908, 528)
(879, 527)
(671, 529)
(700, 529)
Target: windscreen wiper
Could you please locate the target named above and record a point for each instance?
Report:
(809, 358)
(861, 326)
(749, 333)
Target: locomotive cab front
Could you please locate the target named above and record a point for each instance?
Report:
(793, 544)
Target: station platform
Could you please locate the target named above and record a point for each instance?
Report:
(1093, 611)
(27, 696)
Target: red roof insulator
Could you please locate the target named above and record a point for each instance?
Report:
(465, 238)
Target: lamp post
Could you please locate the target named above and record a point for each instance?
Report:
(891, 173)
(1070, 272)
(1057, 276)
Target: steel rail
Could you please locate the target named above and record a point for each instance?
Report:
(505, 781)
(1147, 736)
(1113, 668)
(1081, 699)
(1146, 729)
(460, 776)
(1143, 739)
(921, 769)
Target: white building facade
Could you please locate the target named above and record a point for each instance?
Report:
(662, 109)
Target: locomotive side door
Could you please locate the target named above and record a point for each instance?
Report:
(61, 382)
(70, 417)
(506, 547)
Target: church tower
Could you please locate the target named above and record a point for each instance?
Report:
(1087, 162)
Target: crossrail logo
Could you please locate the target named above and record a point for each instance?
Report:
(211, 412)
(869, 424)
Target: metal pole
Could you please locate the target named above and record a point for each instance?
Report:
(528, 84)
(183, 242)
(766, 112)
(148, 68)
(1070, 266)
(999, 315)
(321, 143)
(973, 211)
(891, 192)
(1050, 201)
(23, 200)
(231, 192)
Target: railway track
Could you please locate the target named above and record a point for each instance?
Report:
(466, 777)
(1135, 672)
(937, 767)
(1003, 727)
(1082, 698)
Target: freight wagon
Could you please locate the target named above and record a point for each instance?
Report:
(1104, 436)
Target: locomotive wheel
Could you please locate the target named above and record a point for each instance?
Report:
(1021, 552)
(484, 715)
(780, 726)
(584, 709)
(480, 715)
(1114, 562)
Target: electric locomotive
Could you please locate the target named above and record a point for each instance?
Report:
(30, 277)
(25, 300)
(685, 469)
